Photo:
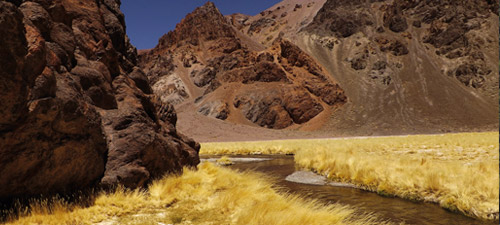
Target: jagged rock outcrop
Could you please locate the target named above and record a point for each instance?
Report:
(76, 111)
(343, 18)
(226, 75)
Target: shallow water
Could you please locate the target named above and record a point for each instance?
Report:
(393, 209)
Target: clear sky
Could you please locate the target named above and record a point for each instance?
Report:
(148, 20)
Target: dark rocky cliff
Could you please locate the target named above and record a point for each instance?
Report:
(76, 112)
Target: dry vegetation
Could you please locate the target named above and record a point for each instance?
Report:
(211, 195)
(457, 171)
(281, 147)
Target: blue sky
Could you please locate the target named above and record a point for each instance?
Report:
(148, 20)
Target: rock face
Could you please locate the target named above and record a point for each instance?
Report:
(343, 18)
(76, 111)
(222, 73)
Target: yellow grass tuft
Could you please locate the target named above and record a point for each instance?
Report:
(457, 171)
(211, 195)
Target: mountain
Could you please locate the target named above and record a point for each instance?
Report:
(333, 67)
(76, 110)
(410, 66)
(207, 65)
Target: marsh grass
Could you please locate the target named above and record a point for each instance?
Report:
(460, 172)
(211, 195)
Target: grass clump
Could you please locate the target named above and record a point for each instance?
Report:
(210, 195)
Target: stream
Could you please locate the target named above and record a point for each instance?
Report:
(393, 209)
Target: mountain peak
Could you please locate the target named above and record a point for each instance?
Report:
(205, 23)
(209, 4)
(208, 9)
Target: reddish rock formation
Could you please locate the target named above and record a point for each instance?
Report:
(76, 112)
(203, 25)
(278, 108)
(232, 77)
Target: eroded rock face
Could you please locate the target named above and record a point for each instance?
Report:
(265, 109)
(343, 18)
(259, 24)
(275, 87)
(76, 112)
(393, 46)
(394, 20)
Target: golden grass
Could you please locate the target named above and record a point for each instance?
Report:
(211, 195)
(281, 147)
(459, 172)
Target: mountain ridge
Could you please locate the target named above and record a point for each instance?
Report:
(214, 76)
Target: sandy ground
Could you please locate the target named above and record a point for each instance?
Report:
(205, 129)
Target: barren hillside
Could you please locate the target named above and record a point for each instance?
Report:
(421, 66)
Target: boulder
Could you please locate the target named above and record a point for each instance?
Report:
(278, 108)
